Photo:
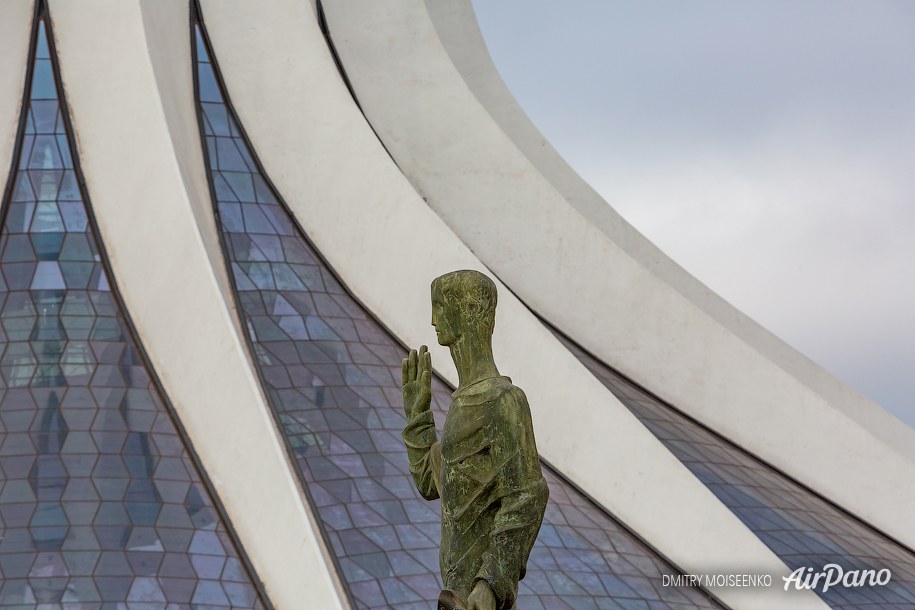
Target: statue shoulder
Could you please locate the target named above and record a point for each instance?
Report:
(498, 393)
(508, 396)
(517, 395)
(502, 388)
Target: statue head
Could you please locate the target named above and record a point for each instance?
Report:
(463, 305)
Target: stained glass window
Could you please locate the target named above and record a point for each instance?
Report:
(332, 377)
(101, 505)
(803, 529)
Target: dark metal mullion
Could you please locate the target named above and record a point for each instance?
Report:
(44, 14)
(23, 115)
(325, 30)
(719, 437)
(197, 20)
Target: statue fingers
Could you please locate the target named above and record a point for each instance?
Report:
(405, 371)
(411, 365)
(421, 357)
(426, 361)
(425, 379)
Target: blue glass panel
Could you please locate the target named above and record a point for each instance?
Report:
(332, 377)
(799, 526)
(43, 87)
(99, 499)
(41, 50)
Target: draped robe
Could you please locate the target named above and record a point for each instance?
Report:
(486, 470)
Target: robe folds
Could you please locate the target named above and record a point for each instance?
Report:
(486, 470)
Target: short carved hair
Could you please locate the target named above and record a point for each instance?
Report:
(472, 293)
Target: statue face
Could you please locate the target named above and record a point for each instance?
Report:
(445, 319)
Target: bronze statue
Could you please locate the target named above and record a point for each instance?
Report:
(486, 468)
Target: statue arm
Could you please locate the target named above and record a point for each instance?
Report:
(522, 499)
(424, 454)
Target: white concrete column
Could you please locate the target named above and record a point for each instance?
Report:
(15, 33)
(563, 260)
(460, 34)
(387, 245)
(126, 69)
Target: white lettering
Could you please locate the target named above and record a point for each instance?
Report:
(816, 579)
(880, 574)
(796, 578)
(849, 579)
(831, 575)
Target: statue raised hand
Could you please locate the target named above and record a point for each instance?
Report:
(417, 381)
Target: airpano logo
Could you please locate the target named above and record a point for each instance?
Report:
(833, 575)
(830, 577)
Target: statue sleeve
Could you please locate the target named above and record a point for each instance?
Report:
(521, 495)
(424, 454)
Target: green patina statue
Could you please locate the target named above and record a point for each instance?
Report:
(486, 468)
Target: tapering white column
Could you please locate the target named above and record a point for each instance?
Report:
(126, 68)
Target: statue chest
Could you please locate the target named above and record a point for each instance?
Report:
(466, 452)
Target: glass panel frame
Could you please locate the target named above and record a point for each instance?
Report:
(99, 492)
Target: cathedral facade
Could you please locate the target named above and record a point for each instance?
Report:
(219, 226)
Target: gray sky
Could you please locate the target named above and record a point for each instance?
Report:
(768, 147)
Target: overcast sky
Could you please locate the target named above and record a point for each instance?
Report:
(768, 147)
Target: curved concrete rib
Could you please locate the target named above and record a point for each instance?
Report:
(15, 33)
(564, 261)
(387, 245)
(126, 68)
(456, 24)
